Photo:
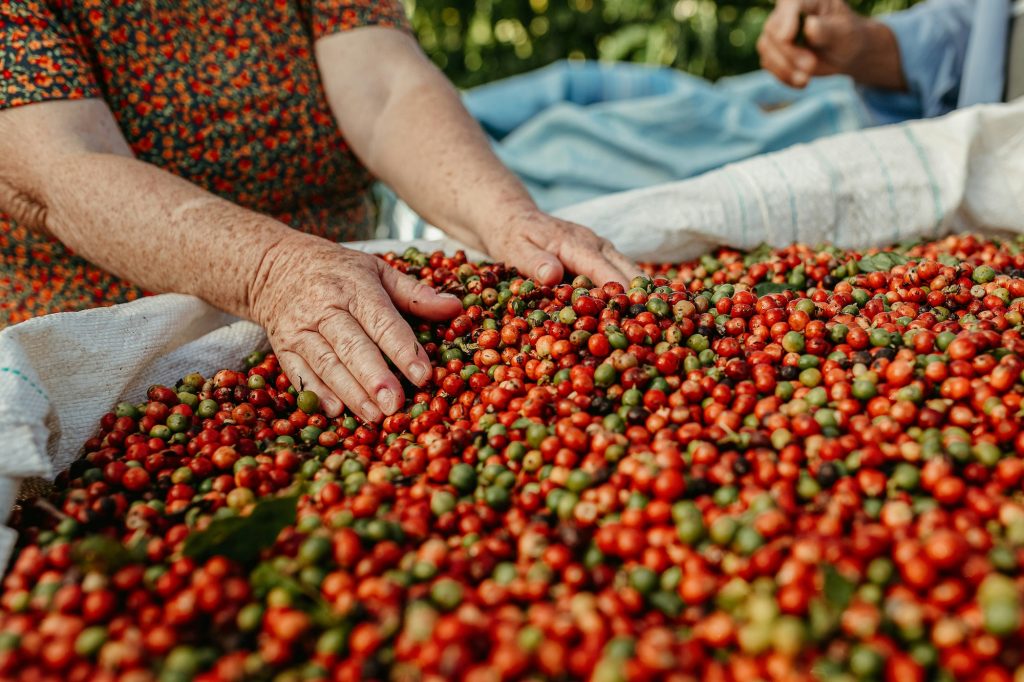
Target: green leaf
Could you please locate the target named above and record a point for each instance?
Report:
(908, 244)
(838, 588)
(242, 538)
(757, 255)
(266, 577)
(668, 603)
(105, 554)
(765, 288)
(881, 262)
(797, 277)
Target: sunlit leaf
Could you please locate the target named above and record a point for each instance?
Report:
(242, 538)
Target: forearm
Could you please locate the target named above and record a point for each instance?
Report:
(381, 95)
(150, 227)
(407, 124)
(446, 172)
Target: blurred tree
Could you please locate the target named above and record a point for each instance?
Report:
(476, 41)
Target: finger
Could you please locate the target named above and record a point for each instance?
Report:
(801, 59)
(380, 321)
(304, 378)
(534, 261)
(773, 61)
(418, 298)
(784, 21)
(356, 343)
(625, 265)
(768, 50)
(350, 364)
(329, 369)
(791, 64)
(586, 256)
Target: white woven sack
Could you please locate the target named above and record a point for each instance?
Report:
(60, 373)
(878, 186)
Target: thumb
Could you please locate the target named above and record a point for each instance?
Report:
(537, 263)
(417, 298)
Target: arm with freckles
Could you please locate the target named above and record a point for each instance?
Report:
(407, 124)
(66, 169)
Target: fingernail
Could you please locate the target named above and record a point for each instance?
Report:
(545, 272)
(799, 78)
(386, 400)
(451, 296)
(370, 411)
(330, 407)
(419, 372)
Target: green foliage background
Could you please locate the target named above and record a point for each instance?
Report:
(476, 41)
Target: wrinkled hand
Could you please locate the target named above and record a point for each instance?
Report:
(544, 247)
(330, 313)
(835, 37)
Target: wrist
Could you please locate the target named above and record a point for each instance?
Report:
(273, 261)
(509, 214)
(877, 63)
(493, 218)
(229, 248)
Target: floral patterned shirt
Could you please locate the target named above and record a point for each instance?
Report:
(224, 93)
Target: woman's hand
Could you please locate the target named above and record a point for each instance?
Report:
(408, 125)
(544, 247)
(332, 315)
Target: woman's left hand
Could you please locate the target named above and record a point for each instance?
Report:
(544, 247)
(407, 123)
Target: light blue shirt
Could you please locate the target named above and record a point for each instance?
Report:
(953, 54)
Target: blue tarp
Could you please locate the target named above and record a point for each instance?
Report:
(577, 130)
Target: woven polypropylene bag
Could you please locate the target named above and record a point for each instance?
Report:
(60, 373)
(964, 171)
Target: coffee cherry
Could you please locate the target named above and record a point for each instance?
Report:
(774, 465)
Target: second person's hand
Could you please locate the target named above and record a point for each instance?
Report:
(834, 35)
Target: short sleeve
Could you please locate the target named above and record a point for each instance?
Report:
(39, 59)
(333, 16)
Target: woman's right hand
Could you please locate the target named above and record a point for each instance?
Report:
(332, 315)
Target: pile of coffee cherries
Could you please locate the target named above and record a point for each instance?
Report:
(791, 464)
